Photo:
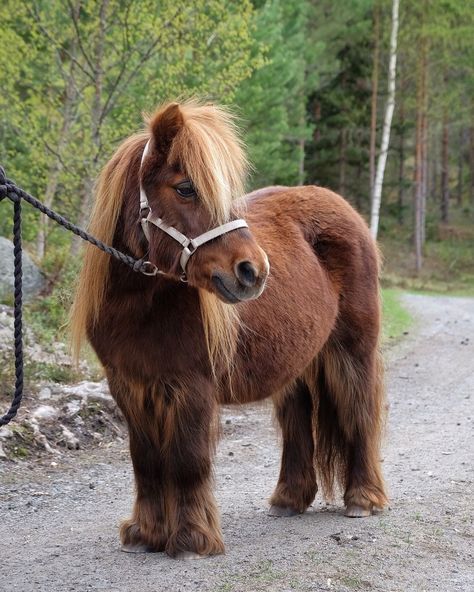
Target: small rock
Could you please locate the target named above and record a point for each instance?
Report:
(5, 432)
(72, 442)
(73, 407)
(44, 412)
(33, 279)
(45, 393)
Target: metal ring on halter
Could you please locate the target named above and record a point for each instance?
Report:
(149, 268)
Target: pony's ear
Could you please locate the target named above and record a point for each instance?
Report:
(165, 125)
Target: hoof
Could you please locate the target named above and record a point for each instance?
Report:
(136, 549)
(282, 512)
(189, 556)
(354, 511)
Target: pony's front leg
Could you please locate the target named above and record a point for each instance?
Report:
(146, 529)
(191, 513)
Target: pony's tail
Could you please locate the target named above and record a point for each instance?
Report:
(348, 420)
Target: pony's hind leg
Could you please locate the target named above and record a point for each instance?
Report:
(296, 485)
(349, 423)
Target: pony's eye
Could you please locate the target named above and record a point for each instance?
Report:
(186, 190)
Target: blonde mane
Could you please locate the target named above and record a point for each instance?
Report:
(209, 150)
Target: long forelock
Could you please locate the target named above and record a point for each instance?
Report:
(210, 152)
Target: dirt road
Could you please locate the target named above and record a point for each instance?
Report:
(58, 529)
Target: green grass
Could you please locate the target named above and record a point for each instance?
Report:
(396, 319)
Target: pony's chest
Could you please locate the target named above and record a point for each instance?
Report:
(160, 342)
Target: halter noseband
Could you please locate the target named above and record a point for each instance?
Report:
(189, 245)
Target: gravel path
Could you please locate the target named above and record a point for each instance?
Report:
(58, 530)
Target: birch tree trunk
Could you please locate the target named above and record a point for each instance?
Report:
(382, 160)
(373, 108)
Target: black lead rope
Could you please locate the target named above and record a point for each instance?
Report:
(18, 323)
(16, 194)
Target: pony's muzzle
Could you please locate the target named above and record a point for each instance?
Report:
(246, 283)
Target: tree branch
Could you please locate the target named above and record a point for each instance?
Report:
(79, 38)
(36, 17)
(149, 53)
(55, 153)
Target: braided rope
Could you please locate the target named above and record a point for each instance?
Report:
(18, 323)
(9, 189)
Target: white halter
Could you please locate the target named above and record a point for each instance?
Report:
(189, 245)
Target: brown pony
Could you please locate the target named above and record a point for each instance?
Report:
(287, 308)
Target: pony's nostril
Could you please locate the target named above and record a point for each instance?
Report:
(246, 273)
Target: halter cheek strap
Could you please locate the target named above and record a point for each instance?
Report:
(189, 245)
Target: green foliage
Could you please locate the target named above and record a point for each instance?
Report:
(340, 107)
(274, 99)
(76, 77)
(48, 316)
(264, 113)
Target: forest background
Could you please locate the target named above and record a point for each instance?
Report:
(308, 79)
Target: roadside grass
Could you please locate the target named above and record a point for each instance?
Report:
(448, 266)
(396, 319)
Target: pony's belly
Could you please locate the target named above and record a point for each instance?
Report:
(283, 330)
